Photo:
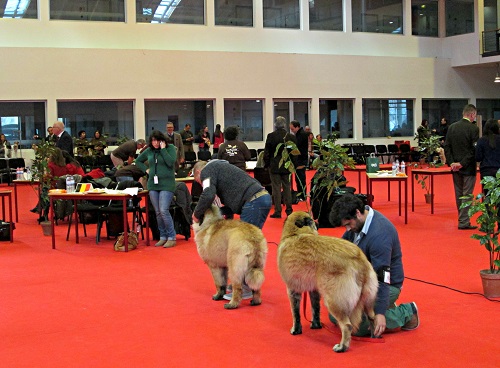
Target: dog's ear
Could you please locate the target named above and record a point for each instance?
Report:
(304, 221)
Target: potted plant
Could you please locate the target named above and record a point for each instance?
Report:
(428, 147)
(40, 174)
(487, 205)
(329, 165)
(423, 181)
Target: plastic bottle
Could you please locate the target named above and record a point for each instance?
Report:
(19, 173)
(397, 166)
(70, 184)
(28, 174)
(403, 167)
(394, 169)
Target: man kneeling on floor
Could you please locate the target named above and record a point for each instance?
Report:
(378, 239)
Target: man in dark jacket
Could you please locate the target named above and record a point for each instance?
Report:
(63, 139)
(300, 169)
(459, 148)
(279, 175)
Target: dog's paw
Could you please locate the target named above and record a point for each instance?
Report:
(230, 306)
(218, 297)
(338, 348)
(296, 330)
(254, 302)
(316, 325)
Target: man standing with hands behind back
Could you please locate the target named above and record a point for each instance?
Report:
(459, 148)
(175, 139)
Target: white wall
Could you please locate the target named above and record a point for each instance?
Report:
(51, 60)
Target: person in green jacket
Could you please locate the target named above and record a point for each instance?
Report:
(161, 158)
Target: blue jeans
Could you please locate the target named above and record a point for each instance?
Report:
(161, 203)
(255, 212)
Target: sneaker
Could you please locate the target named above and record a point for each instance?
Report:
(275, 215)
(170, 244)
(160, 243)
(414, 322)
(247, 293)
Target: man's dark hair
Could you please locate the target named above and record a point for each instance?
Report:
(295, 123)
(231, 133)
(345, 208)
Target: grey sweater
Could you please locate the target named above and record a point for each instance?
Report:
(231, 184)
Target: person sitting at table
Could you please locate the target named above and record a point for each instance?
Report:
(4, 146)
(98, 144)
(73, 167)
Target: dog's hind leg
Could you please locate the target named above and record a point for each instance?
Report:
(295, 299)
(341, 313)
(315, 306)
(236, 298)
(220, 278)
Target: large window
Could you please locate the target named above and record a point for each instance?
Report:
(424, 18)
(488, 109)
(325, 15)
(234, 13)
(336, 116)
(382, 118)
(114, 119)
(281, 14)
(170, 11)
(21, 121)
(293, 110)
(490, 15)
(246, 114)
(180, 112)
(19, 9)
(88, 10)
(434, 110)
(459, 17)
(377, 16)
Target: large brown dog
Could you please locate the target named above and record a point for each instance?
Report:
(325, 266)
(234, 248)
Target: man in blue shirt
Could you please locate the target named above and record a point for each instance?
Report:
(378, 239)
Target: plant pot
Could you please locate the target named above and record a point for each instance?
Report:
(491, 283)
(46, 228)
(428, 198)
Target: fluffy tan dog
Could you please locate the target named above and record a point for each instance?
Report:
(232, 248)
(325, 266)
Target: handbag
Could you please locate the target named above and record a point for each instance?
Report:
(133, 240)
(372, 164)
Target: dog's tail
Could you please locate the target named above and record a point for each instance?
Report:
(255, 275)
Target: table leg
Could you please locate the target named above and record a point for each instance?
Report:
(51, 214)
(359, 181)
(406, 201)
(412, 193)
(125, 223)
(15, 201)
(3, 208)
(10, 219)
(399, 198)
(432, 193)
(147, 219)
(388, 191)
(75, 209)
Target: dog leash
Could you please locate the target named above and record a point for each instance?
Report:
(373, 340)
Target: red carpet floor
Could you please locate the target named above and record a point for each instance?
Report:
(84, 305)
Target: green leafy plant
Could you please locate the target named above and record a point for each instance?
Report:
(422, 181)
(40, 173)
(487, 206)
(428, 145)
(329, 165)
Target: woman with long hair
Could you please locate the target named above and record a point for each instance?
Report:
(488, 149)
(218, 138)
(98, 144)
(161, 158)
(4, 146)
(203, 139)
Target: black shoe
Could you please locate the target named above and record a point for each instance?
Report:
(275, 215)
(34, 210)
(467, 227)
(288, 213)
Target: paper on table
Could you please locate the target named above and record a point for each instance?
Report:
(132, 191)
